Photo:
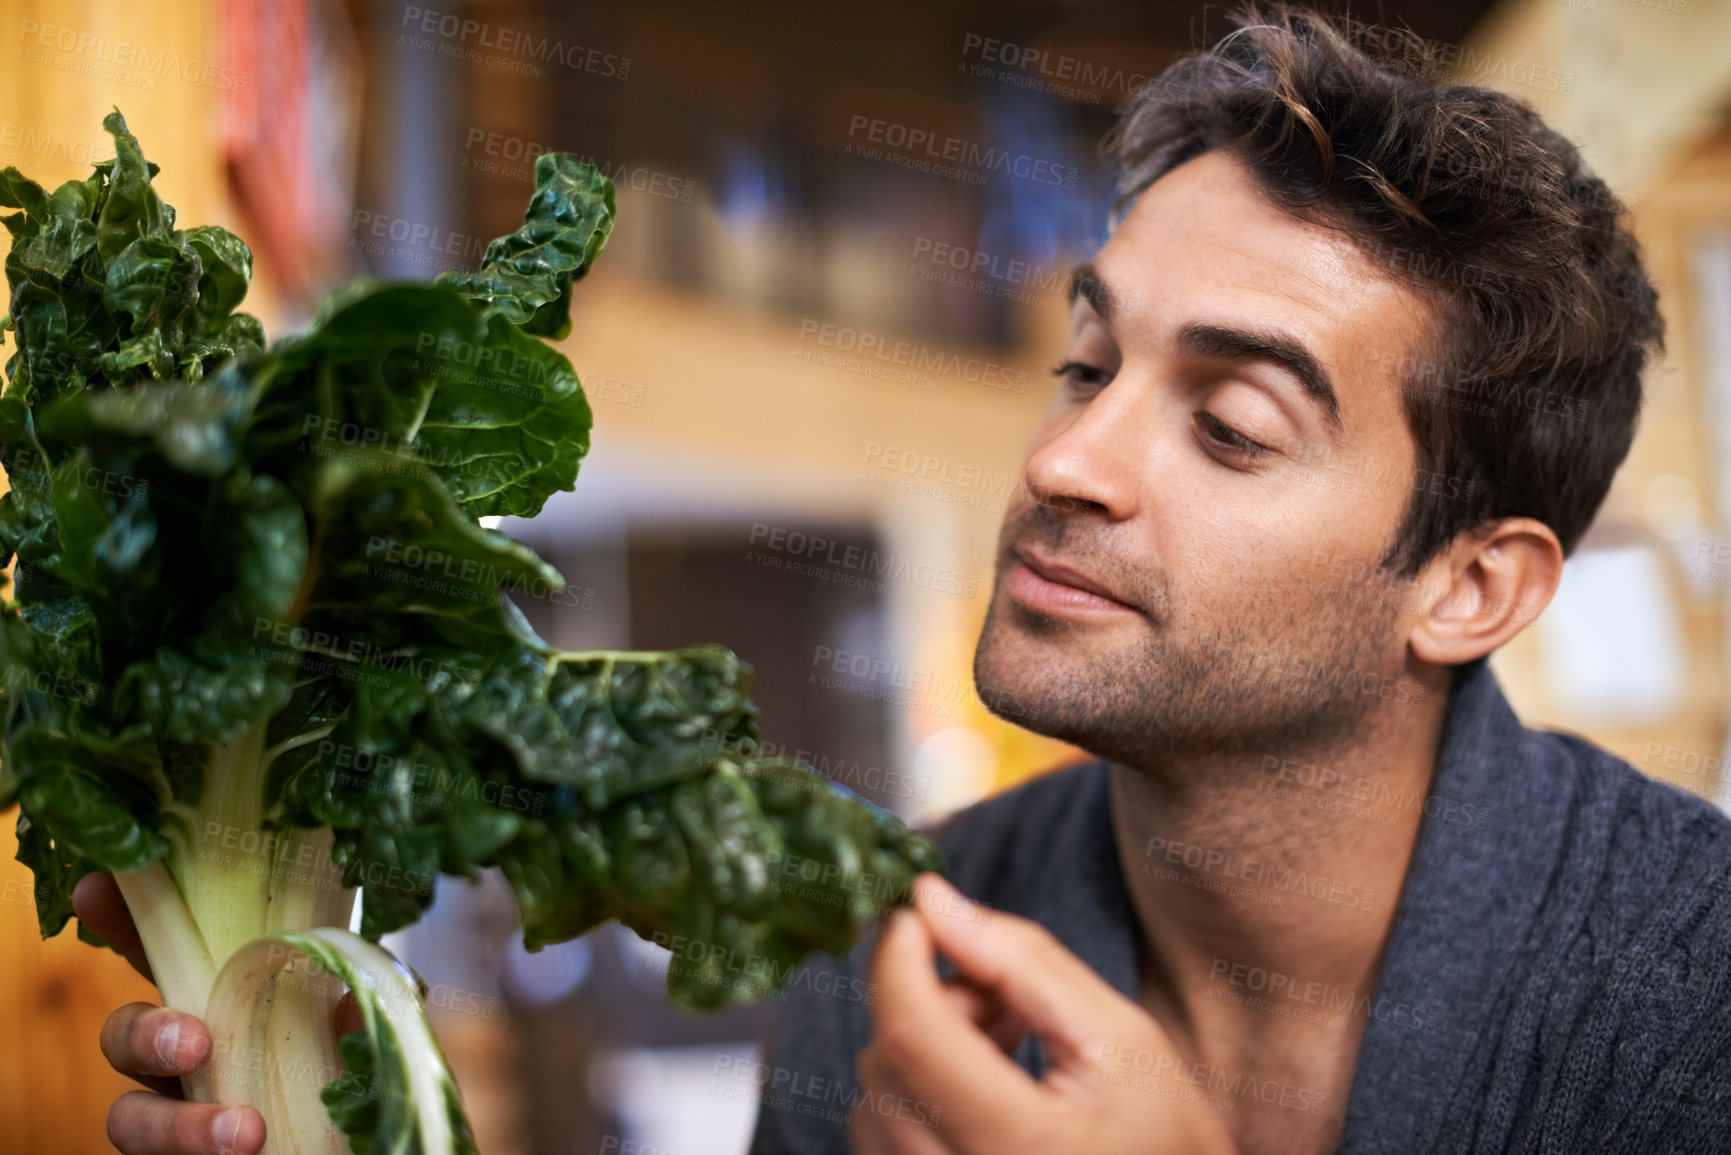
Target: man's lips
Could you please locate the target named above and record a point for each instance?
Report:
(1047, 585)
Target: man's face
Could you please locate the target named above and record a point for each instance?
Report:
(1225, 460)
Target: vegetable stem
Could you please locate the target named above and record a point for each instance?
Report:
(225, 868)
(180, 961)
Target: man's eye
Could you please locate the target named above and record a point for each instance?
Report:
(1227, 437)
(1075, 374)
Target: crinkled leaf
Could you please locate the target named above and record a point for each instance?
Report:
(131, 209)
(527, 276)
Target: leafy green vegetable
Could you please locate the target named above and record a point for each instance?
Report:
(257, 655)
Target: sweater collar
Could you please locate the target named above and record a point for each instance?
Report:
(1486, 853)
(1493, 829)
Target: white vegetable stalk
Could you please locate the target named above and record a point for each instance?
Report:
(256, 1018)
(243, 927)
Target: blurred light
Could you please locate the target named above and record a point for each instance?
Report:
(549, 974)
(675, 1100)
(1611, 641)
(1673, 505)
(646, 964)
(753, 192)
(957, 766)
(491, 521)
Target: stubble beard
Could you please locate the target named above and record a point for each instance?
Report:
(1269, 674)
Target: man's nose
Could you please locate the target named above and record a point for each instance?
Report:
(1093, 464)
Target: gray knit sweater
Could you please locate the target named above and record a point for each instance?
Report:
(1558, 979)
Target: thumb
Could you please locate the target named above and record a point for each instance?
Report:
(1076, 1013)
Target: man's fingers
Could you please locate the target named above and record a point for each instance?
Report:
(988, 1012)
(141, 1040)
(144, 1124)
(97, 902)
(922, 1036)
(1056, 994)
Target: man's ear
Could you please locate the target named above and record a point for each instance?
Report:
(1484, 588)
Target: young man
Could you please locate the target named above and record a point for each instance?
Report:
(1348, 381)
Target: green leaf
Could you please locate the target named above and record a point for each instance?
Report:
(418, 373)
(66, 232)
(195, 428)
(225, 269)
(56, 874)
(527, 276)
(155, 281)
(108, 821)
(131, 210)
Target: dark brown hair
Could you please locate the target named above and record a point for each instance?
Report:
(1526, 403)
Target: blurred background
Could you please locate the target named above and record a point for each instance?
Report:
(814, 356)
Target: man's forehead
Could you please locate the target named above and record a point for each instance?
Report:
(1210, 212)
(1204, 241)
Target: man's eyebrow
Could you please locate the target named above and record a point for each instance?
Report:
(1202, 339)
(1085, 283)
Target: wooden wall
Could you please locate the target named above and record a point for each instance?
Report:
(66, 65)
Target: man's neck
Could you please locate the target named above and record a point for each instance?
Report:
(1265, 885)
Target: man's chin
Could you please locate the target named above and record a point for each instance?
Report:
(1029, 677)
